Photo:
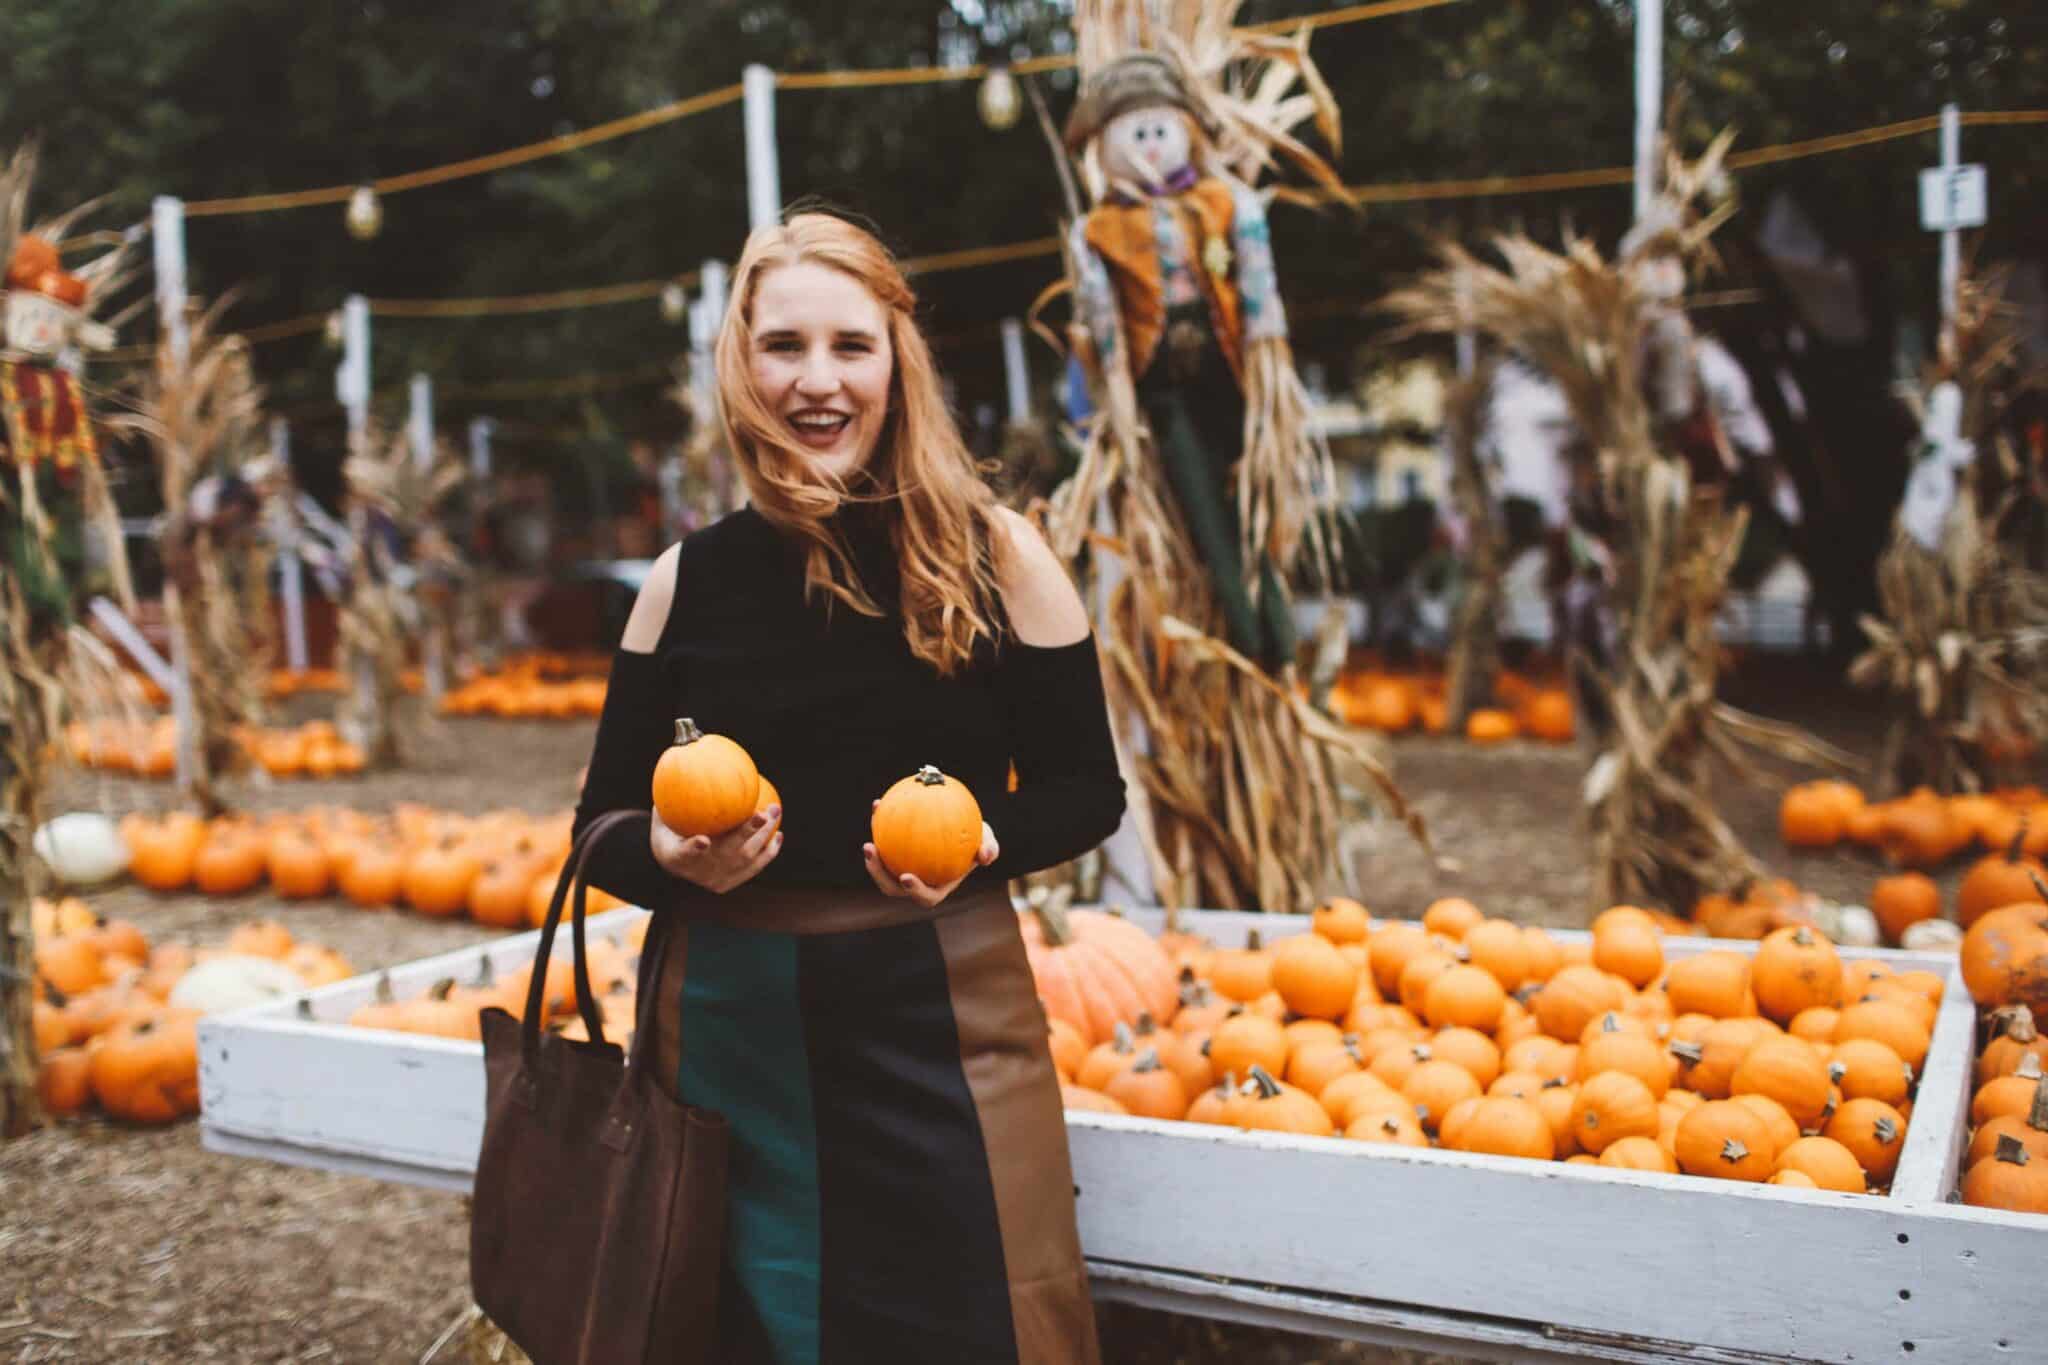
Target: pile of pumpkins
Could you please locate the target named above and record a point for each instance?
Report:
(1394, 703)
(532, 687)
(448, 1009)
(116, 1018)
(498, 868)
(150, 748)
(1476, 1034)
(2006, 1165)
(1918, 830)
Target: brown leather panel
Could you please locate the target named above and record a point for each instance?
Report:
(827, 909)
(1008, 1065)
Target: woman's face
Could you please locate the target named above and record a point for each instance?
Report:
(822, 362)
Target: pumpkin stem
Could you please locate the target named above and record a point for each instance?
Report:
(1053, 921)
(928, 776)
(2029, 1067)
(1887, 1132)
(1145, 1027)
(1268, 1087)
(1351, 1049)
(2017, 1023)
(1689, 1053)
(687, 731)
(1733, 1151)
(439, 990)
(1122, 1040)
(2015, 849)
(1252, 941)
(1610, 1022)
(2011, 1150)
(2037, 1117)
(1148, 1060)
(1836, 1071)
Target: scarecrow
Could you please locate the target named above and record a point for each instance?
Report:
(59, 539)
(1202, 490)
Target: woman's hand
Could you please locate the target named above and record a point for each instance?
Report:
(733, 858)
(890, 884)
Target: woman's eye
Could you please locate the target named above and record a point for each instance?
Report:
(785, 347)
(855, 347)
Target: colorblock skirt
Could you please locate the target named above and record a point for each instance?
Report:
(899, 1183)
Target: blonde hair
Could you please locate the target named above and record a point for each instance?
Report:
(938, 507)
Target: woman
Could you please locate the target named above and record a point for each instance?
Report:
(900, 1187)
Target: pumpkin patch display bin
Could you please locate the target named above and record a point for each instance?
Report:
(1465, 1252)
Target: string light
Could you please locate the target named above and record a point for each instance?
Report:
(674, 302)
(999, 100)
(365, 216)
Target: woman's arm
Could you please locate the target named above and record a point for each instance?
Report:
(1070, 795)
(637, 725)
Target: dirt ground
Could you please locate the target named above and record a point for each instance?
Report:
(134, 1246)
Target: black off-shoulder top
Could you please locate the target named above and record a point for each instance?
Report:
(834, 708)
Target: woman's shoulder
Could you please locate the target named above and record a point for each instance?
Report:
(705, 554)
(1039, 597)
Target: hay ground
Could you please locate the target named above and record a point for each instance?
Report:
(136, 1246)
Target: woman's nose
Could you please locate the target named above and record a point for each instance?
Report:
(819, 375)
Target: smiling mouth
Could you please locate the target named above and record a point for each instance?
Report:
(820, 428)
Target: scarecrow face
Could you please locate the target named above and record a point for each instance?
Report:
(1146, 145)
(37, 324)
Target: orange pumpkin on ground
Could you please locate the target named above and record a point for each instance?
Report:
(147, 1070)
(1902, 901)
(1095, 970)
(1998, 881)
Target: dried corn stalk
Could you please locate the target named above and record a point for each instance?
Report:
(202, 412)
(45, 518)
(1585, 321)
(1242, 781)
(1961, 649)
(401, 564)
(1475, 620)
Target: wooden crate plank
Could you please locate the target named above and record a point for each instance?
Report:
(1582, 1247)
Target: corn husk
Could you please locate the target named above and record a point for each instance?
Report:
(1960, 647)
(1584, 321)
(393, 599)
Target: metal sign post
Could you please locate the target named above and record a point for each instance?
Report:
(284, 533)
(1649, 98)
(1016, 375)
(764, 169)
(352, 376)
(1952, 197)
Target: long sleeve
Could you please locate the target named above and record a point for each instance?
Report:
(1258, 283)
(1069, 794)
(636, 726)
(1095, 298)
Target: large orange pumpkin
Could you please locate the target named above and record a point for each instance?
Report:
(1096, 971)
(704, 784)
(927, 826)
(1998, 881)
(147, 1070)
(2005, 958)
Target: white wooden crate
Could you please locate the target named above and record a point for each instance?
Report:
(1488, 1256)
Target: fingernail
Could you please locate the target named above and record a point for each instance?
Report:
(773, 812)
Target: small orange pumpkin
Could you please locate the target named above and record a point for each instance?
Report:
(1313, 978)
(147, 1070)
(1611, 1106)
(1724, 1140)
(705, 784)
(927, 826)
(1874, 1133)
(1829, 1164)
(1902, 901)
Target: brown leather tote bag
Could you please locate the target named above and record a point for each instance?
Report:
(599, 1209)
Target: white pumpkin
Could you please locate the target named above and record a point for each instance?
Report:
(1858, 927)
(1933, 936)
(82, 848)
(234, 981)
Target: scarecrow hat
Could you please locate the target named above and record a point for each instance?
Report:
(1130, 82)
(34, 268)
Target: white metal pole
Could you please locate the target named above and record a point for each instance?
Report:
(706, 315)
(419, 425)
(1016, 374)
(764, 169)
(352, 379)
(1951, 239)
(285, 534)
(1649, 98)
(167, 239)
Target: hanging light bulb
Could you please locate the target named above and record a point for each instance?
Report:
(365, 216)
(999, 100)
(674, 302)
(332, 332)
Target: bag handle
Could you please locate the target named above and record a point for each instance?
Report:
(571, 878)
